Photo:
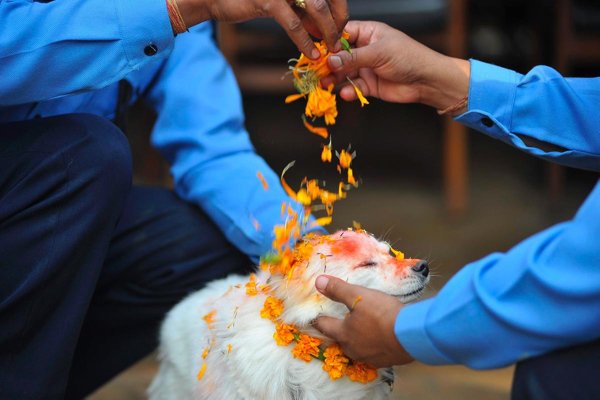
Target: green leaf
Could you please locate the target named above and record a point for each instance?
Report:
(346, 45)
(271, 258)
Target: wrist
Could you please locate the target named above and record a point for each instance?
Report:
(446, 84)
(194, 11)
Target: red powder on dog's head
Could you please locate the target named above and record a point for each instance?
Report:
(345, 246)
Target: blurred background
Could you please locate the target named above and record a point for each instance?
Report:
(427, 185)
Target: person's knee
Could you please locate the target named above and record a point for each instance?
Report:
(100, 152)
(193, 250)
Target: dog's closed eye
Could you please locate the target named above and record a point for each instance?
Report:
(367, 264)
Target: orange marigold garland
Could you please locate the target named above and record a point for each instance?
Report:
(285, 334)
(307, 348)
(335, 362)
(361, 372)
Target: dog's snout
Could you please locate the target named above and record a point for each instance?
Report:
(421, 267)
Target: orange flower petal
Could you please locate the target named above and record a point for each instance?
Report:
(323, 221)
(287, 187)
(359, 93)
(317, 130)
(202, 371)
(262, 180)
(293, 97)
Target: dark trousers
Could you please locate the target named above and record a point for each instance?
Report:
(571, 373)
(88, 265)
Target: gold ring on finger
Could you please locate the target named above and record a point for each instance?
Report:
(300, 3)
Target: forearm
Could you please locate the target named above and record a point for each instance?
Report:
(200, 131)
(541, 295)
(64, 47)
(541, 112)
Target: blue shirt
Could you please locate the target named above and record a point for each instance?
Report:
(67, 57)
(544, 293)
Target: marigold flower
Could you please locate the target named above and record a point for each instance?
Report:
(321, 103)
(306, 348)
(335, 361)
(284, 334)
(361, 372)
(272, 308)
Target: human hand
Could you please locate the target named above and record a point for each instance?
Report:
(390, 65)
(321, 18)
(367, 332)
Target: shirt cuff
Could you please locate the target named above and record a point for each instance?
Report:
(492, 92)
(410, 332)
(146, 30)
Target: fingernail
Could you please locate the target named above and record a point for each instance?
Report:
(321, 282)
(315, 53)
(335, 61)
(337, 47)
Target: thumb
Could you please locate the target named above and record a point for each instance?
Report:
(338, 290)
(363, 57)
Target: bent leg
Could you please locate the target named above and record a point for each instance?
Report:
(163, 249)
(63, 183)
(572, 373)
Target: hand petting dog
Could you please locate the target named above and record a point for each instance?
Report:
(367, 332)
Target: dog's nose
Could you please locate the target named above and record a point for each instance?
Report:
(421, 267)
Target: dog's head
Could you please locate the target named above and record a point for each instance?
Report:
(356, 257)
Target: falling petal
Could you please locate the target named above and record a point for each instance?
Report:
(323, 221)
(317, 130)
(293, 97)
(262, 180)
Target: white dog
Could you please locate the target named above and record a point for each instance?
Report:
(234, 347)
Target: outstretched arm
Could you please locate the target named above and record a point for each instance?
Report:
(542, 295)
(57, 48)
(541, 112)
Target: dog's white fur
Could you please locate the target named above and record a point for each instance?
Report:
(256, 367)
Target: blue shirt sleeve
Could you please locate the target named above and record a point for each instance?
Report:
(543, 294)
(51, 49)
(200, 130)
(542, 113)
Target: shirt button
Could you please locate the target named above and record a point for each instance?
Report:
(487, 122)
(151, 49)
